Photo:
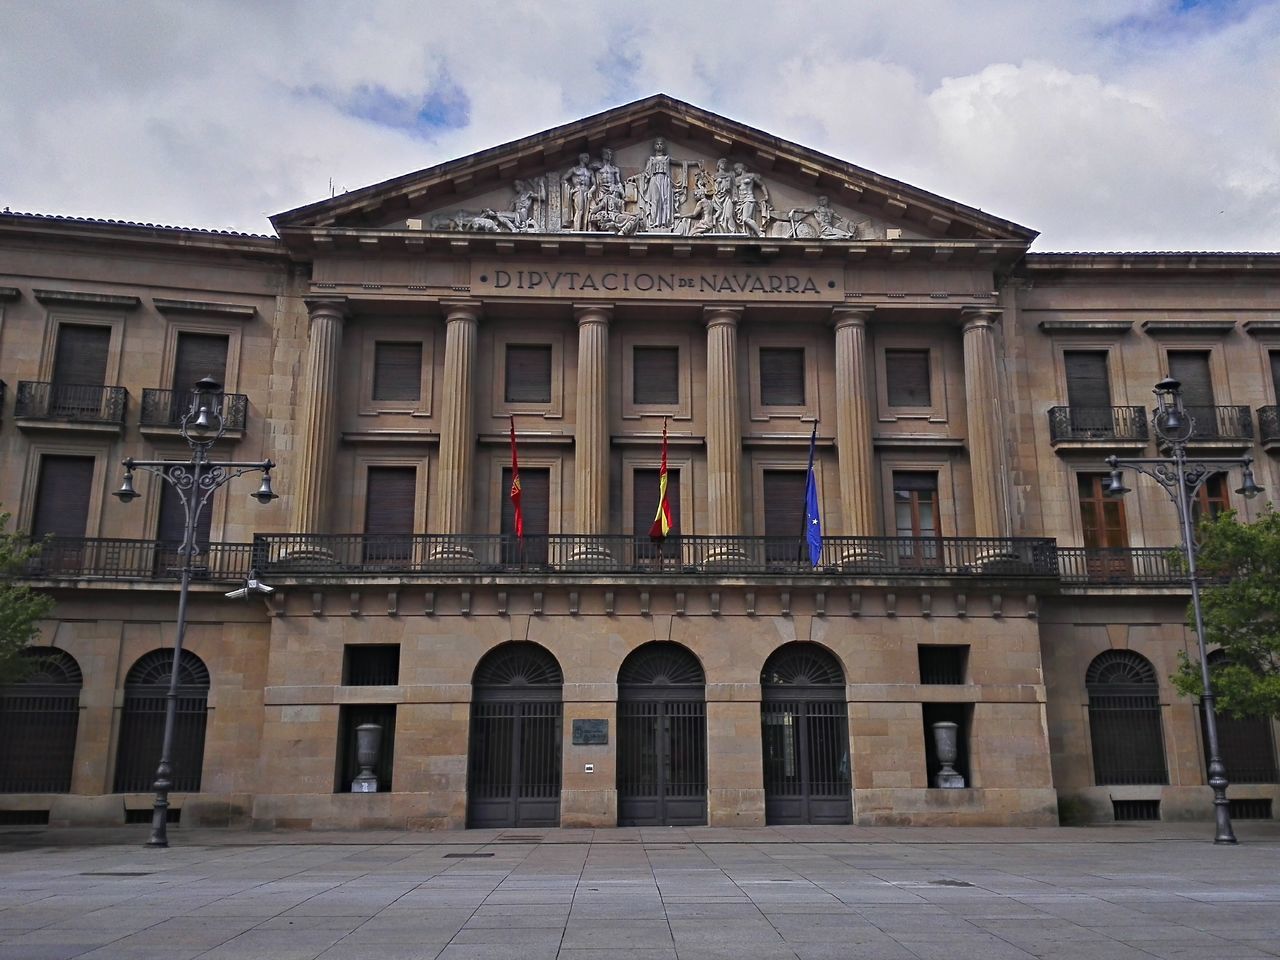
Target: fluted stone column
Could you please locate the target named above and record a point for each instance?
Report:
(987, 465)
(456, 471)
(591, 439)
(313, 470)
(724, 433)
(855, 401)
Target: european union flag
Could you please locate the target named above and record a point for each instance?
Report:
(812, 521)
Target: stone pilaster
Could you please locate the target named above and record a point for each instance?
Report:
(456, 471)
(724, 432)
(989, 471)
(591, 438)
(855, 400)
(313, 470)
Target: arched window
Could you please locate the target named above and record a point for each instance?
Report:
(662, 737)
(1247, 746)
(39, 717)
(142, 723)
(514, 753)
(1124, 719)
(805, 737)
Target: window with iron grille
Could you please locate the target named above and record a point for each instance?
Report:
(943, 663)
(371, 664)
(907, 378)
(655, 375)
(1124, 719)
(528, 373)
(782, 376)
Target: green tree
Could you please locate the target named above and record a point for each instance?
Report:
(21, 608)
(1241, 606)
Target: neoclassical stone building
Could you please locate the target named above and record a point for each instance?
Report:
(652, 267)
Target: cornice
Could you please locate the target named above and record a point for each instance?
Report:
(229, 311)
(78, 298)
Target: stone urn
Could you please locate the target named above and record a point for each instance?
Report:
(945, 741)
(368, 747)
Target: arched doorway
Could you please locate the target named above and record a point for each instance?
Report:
(142, 722)
(1247, 747)
(513, 769)
(1124, 719)
(38, 721)
(662, 738)
(805, 737)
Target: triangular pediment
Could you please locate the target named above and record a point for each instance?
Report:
(656, 168)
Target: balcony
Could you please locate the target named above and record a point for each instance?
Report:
(1269, 427)
(302, 555)
(81, 558)
(1076, 427)
(1221, 426)
(82, 405)
(1122, 565)
(163, 410)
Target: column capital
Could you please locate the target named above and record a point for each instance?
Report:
(592, 312)
(461, 309)
(337, 307)
(973, 317)
(717, 314)
(851, 316)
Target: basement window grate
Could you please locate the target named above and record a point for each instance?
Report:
(466, 856)
(1250, 809)
(24, 818)
(1131, 810)
(173, 815)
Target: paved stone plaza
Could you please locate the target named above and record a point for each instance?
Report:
(1118, 893)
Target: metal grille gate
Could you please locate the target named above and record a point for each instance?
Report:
(1124, 720)
(1248, 750)
(38, 737)
(662, 760)
(806, 761)
(142, 723)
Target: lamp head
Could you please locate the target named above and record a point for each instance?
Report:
(1170, 415)
(1116, 487)
(1248, 487)
(126, 493)
(264, 493)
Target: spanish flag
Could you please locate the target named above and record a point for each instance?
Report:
(515, 484)
(662, 520)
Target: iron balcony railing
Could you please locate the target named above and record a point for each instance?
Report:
(166, 408)
(82, 403)
(358, 554)
(1269, 424)
(1222, 423)
(1098, 423)
(113, 559)
(1122, 565)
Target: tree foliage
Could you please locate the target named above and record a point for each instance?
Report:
(1241, 604)
(21, 608)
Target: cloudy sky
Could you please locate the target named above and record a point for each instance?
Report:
(1104, 124)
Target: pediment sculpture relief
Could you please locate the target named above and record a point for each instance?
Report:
(667, 195)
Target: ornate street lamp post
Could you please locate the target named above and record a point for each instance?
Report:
(1182, 478)
(194, 481)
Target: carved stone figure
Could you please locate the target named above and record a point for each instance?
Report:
(530, 198)
(702, 219)
(722, 197)
(608, 176)
(579, 181)
(746, 204)
(655, 195)
(831, 225)
(609, 215)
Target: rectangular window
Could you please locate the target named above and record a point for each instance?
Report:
(782, 376)
(1191, 369)
(371, 664)
(1106, 534)
(199, 355)
(1088, 382)
(349, 718)
(1211, 499)
(907, 378)
(80, 357)
(915, 503)
(943, 663)
(784, 515)
(645, 507)
(655, 375)
(62, 497)
(397, 371)
(390, 497)
(535, 505)
(528, 373)
(1275, 374)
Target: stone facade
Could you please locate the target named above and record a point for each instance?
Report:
(840, 271)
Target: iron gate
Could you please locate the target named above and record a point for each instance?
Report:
(1248, 750)
(514, 753)
(662, 738)
(1124, 720)
(142, 723)
(38, 722)
(805, 737)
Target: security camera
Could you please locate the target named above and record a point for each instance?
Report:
(252, 585)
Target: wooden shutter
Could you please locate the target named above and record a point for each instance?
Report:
(1088, 383)
(784, 503)
(172, 522)
(397, 371)
(535, 501)
(528, 374)
(645, 501)
(1191, 367)
(655, 375)
(81, 355)
(782, 376)
(390, 496)
(62, 498)
(200, 355)
(907, 378)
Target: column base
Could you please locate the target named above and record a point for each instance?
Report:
(862, 559)
(591, 556)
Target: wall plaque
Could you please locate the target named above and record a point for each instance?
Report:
(590, 731)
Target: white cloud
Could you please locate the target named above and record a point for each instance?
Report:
(1102, 123)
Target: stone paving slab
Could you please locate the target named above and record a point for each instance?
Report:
(1134, 892)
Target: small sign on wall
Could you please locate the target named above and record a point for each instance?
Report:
(590, 732)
